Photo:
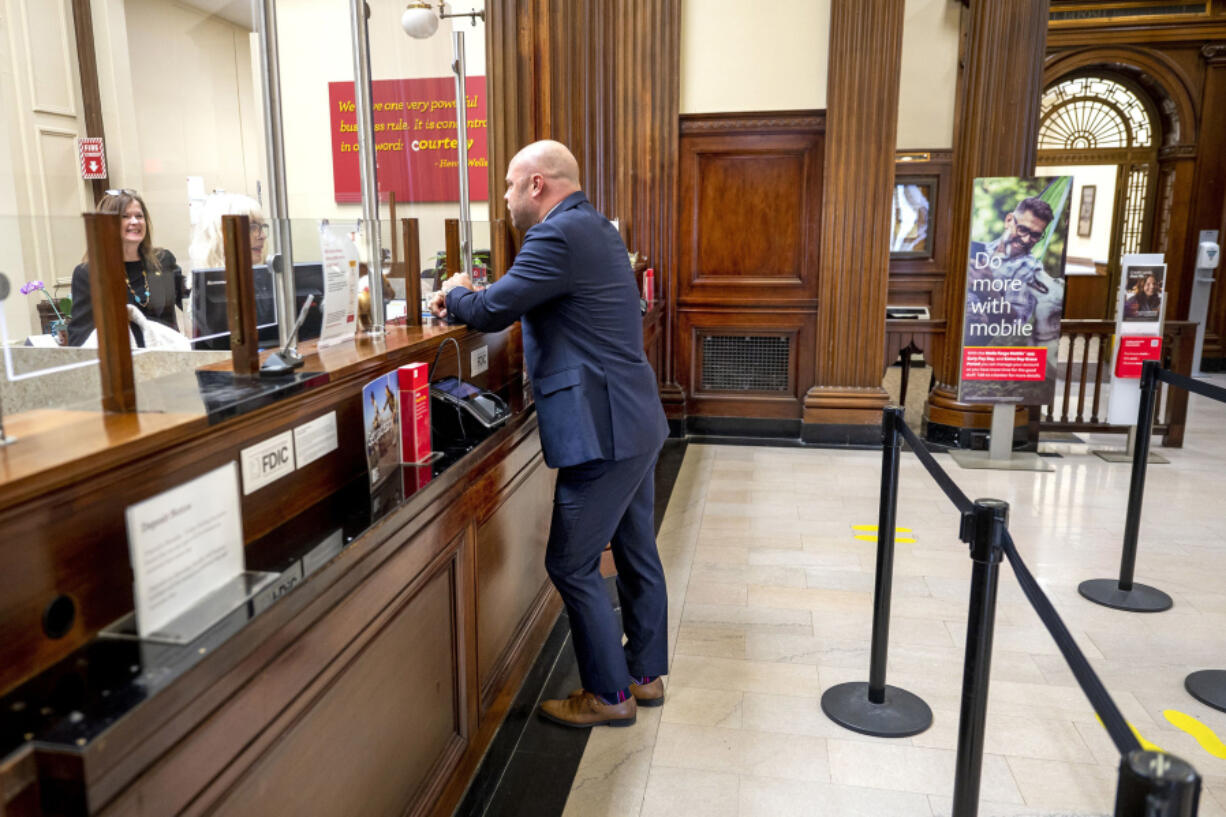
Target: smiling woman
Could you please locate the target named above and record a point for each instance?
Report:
(153, 277)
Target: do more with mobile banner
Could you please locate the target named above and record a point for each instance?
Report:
(1014, 289)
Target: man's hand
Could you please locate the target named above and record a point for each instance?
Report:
(460, 279)
(438, 305)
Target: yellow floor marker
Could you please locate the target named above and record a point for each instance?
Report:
(872, 537)
(1208, 741)
(874, 527)
(1145, 744)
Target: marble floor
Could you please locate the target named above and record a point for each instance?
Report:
(770, 604)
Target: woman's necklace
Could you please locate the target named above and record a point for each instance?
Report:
(144, 274)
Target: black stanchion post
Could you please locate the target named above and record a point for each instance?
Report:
(1124, 594)
(984, 530)
(875, 708)
(1208, 686)
(1155, 784)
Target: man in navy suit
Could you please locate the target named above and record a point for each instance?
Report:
(601, 426)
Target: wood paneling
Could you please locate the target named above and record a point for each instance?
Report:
(796, 325)
(750, 205)
(510, 570)
(1000, 82)
(862, 114)
(748, 244)
(372, 737)
(1208, 210)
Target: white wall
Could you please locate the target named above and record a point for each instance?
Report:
(927, 88)
(202, 118)
(750, 56)
(41, 190)
(1098, 246)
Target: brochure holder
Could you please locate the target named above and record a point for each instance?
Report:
(239, 592)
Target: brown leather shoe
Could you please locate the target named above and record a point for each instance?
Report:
(585, 709)
(646, 695)
(649, 694)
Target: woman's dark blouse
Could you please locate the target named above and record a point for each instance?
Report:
(165, 293)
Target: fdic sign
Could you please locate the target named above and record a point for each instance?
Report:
(267, 461)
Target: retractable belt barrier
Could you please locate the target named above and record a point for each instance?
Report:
(1151, 783)
(1207, 686)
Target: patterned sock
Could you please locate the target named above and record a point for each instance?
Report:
(611, 698)
(643, 680)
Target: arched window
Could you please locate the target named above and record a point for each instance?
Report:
(1101, 119)
(1088, 113)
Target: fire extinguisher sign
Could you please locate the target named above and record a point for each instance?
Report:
(93, 158)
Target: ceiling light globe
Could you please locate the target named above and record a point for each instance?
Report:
(418, 21)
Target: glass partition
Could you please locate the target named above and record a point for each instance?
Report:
(41, 367)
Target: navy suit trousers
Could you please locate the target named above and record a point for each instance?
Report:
(599, 502)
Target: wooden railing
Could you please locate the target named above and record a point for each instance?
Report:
(1086, 347)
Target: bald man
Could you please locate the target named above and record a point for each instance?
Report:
(601, 426)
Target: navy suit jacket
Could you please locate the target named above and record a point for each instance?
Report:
(572, 285)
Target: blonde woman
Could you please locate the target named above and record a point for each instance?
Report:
(208, 249)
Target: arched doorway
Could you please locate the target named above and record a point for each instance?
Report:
(1102, 129)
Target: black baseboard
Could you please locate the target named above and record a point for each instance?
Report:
(1213, 364)
(762, 427)
(844, 435)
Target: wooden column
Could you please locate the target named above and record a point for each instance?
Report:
(861, 127)
(1208, 211)
(240, 296)
(108, 291)
(1000, 87)
(91, 97)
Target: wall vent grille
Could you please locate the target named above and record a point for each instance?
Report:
(741, 363)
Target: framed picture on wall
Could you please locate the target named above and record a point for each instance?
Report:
(1085, 216)
(912, 210)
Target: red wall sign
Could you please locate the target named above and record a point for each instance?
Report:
(1135, 350)
(415, 139)
(93, 157)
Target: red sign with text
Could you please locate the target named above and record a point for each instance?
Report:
(1017, 363)
(93, 157)
(1135, 350)
(415, 139)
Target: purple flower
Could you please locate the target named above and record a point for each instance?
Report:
(39, 286)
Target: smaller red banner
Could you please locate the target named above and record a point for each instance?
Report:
(1135, 350)
(1016, 363)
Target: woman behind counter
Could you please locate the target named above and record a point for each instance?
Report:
(154, 280)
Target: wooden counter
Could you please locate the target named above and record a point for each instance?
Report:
(371, 687)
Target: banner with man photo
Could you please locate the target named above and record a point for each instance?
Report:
(1014, 290)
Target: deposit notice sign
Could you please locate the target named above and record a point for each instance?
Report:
(415, 139)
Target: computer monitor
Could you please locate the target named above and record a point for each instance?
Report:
(210, 313)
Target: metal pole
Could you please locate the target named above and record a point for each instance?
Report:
(1140, 463)
(875, 708)
(1155, 784)
(1124, 594)
(461, 121)
(886, 520)
(278, 201)
(364, 108)
(989, 520)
